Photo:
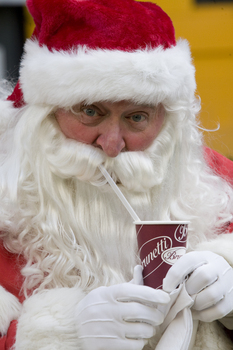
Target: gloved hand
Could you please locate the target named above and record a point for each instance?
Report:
(120, 317)
(209, 281)
(137, 275)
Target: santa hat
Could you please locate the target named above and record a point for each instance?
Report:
(95, 50)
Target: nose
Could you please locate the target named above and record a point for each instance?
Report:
(110, 139)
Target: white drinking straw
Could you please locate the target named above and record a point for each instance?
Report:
(118, 193)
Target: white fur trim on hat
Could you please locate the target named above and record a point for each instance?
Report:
(9, 310)
(64, 78)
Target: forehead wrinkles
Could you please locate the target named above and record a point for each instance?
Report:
(124, 103)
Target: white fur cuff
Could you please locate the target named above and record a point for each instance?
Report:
(222, 245)
(47, 321)
(9, 309)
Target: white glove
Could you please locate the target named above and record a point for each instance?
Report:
(137, 275)
(120, 317)
(209, 282)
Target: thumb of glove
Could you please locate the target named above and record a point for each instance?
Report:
(137, 275)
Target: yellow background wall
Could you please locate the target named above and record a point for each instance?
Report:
(209, 30)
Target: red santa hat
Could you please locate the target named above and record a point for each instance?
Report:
(93, 50)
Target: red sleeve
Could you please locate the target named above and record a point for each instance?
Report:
(3, 343)
(221, 165)
(10, 276)
(230, 228)
(7, 342)
(11, 279)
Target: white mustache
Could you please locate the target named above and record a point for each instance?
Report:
(136, 171)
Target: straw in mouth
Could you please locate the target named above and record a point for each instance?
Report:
(119, 193)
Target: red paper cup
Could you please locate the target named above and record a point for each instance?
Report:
(161, 244)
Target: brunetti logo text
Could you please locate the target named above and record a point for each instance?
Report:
(181, 233)
(157, 254)
(170, 256)
(163, 244)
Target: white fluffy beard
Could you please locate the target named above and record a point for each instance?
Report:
(74, 192)
(69, 224)
(67, 221)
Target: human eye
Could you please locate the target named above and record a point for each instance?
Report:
(90, 114)
(137, 118)
(90, 111)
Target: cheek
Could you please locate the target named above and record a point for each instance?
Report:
(140, 142)
(75, 130)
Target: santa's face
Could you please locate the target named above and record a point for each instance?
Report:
(112, 127)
